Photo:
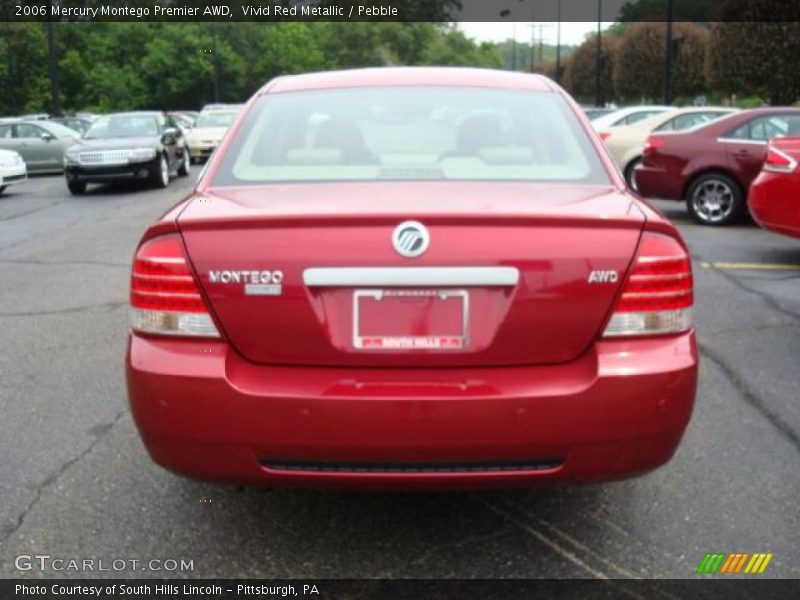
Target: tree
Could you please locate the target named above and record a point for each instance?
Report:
(24, 81)
(453, 48)
(579, 75)
(287, 48)
(754, 57)
(639, 74)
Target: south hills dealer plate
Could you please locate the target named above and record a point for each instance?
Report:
(426, 320)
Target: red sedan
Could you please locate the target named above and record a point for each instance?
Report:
(774, 198)
(712, 166)
(411, 278)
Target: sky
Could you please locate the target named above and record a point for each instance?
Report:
(572, 33)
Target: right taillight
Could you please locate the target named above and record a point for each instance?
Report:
(778, 162)
(657, 297)
(164, 297)
(652, 144)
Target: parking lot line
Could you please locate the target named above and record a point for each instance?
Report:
(750, 266)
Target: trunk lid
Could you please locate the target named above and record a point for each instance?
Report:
(505, 280)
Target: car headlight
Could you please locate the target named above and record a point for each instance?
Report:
(141, 154)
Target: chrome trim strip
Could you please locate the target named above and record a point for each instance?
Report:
(727, 140)
(410, 276)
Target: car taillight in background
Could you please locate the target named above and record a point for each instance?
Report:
(164, 297)
(657, 297)
(778, 162)
(652, 144)
(604, 135)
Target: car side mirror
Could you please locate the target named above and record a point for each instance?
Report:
(47, 137)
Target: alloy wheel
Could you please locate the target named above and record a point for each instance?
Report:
(713, 201)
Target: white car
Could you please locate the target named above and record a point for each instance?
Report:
(627, 116)
(208, 131)
(12, 169)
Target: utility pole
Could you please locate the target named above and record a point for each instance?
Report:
(541, 43)
(558, 45)
(216, 62)
(55, 89)
(514, 46)
(599, 100)
(669, 59)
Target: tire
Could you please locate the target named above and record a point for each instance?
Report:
(76, 188)
(186, 164)
(2, 189)
(629, 172)
(715, 199)
(160, 175)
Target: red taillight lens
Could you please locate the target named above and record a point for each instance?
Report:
(164, 296)
(657, 297)
(778, 162)
(652, 144)
(604, 135)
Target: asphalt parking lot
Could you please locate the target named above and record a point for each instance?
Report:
(76, 482)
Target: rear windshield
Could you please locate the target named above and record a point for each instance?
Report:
(215, 119)
(410, 133)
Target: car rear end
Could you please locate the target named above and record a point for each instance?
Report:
(774, 198)
(12, 169)
(377, 332)
(660, 172)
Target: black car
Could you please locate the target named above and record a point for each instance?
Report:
(132, 145)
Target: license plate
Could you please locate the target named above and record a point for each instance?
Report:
(410, 319)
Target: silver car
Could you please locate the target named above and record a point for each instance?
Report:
(40, 143)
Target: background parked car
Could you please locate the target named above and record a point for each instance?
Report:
(208, 131)
(12, 169)
(627, 116)
(712, 167)
(145, 145)
(774, 198)
(625, 143)
(185, 119)
(41, 144)
(74, 123)
(595, 113)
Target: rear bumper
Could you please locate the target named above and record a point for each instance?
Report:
(201, 151)
(13, 175)
(654, 182)
(774, 202)
(618, 411)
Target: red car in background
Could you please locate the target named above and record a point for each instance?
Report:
(774, 197)
(411, 278)
(712, 166)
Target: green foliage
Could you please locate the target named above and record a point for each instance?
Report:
(755, 58)
(640, 76)
(24, 80)
(543, 54)
(579, 75)
(452, 47)
(106, 66)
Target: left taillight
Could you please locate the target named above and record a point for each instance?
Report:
(778, 162)
(657, 298)
(165, 299)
